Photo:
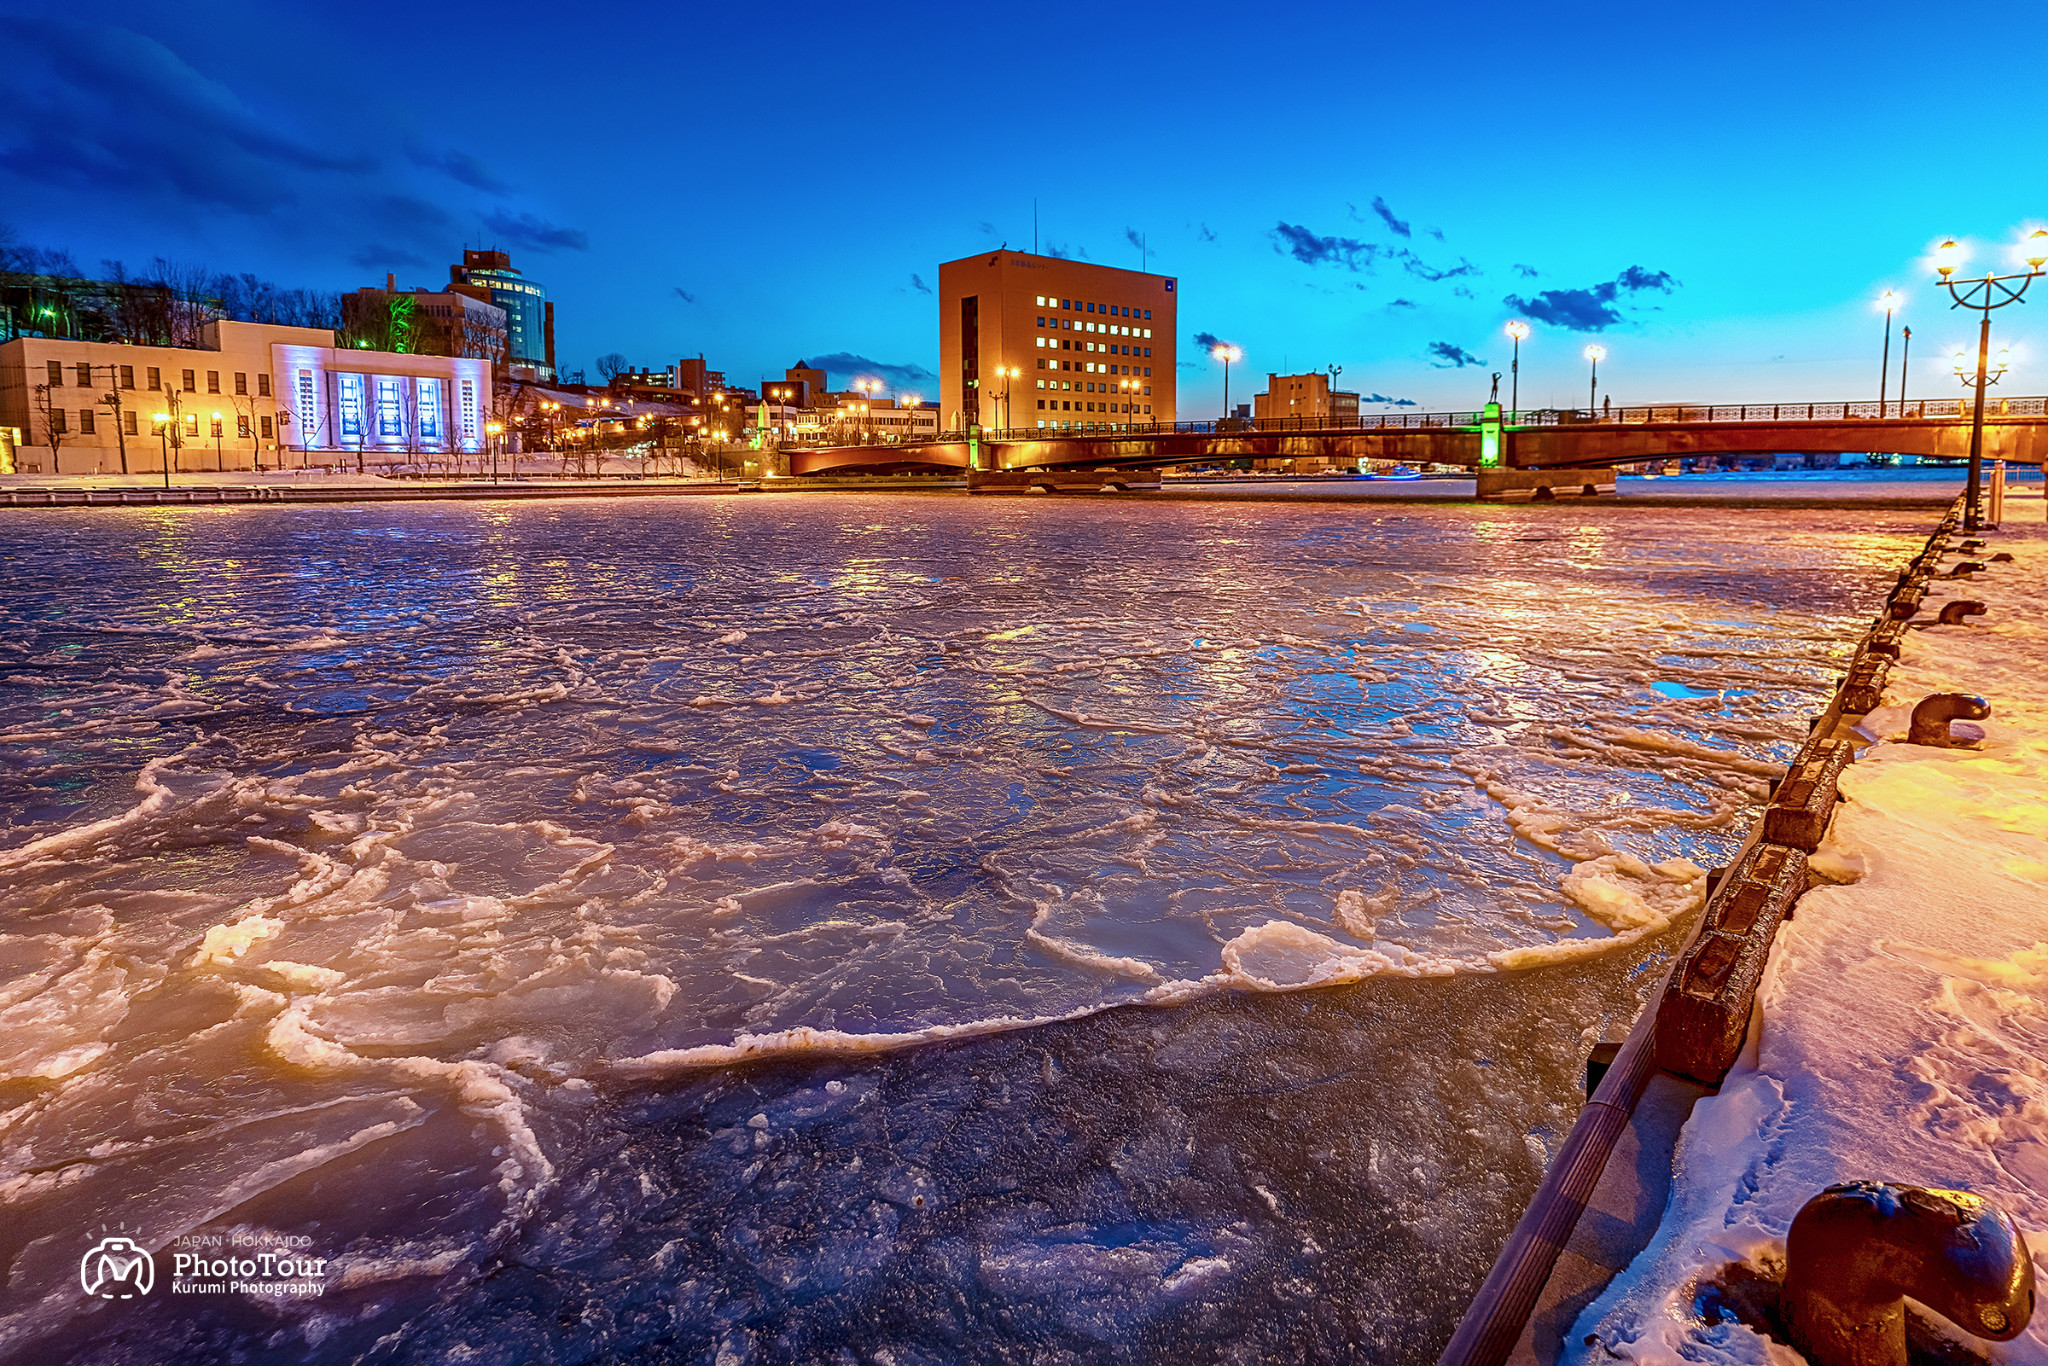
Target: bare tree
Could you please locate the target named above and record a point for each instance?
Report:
(611, 365)
(50, 408)
(111, 401)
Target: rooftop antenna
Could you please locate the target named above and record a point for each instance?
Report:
(1034, 225)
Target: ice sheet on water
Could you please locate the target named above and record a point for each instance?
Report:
(521, 800)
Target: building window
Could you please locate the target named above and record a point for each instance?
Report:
(216, 428)
(156, 378)
(241, 382)
(266, 426)
(127, 377)
(56, 374)
(430, 409)
(213, 381)
(263, 385)
(84, 375)
(352, 407)
(128, 421)
(191, 424)
(468, 410)
(242, 425)
(189, 386)
(59, 423)
(85, 427)
(389, 424)
(307, 426)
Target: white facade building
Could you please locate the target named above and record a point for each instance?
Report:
(252, 395)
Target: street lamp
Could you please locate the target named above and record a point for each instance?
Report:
(1227, 354)
(1595, 354)
(163, 426)
(219, 460)
(1518, 330)
(492, 429)
(1006, 373)
(1130, 389)
(1886, 301)
(1905, 355)
(1993, 291)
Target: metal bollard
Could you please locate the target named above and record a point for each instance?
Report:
(1930, 719)
(1953, 611)
(1963, 570)
(1856, 1250)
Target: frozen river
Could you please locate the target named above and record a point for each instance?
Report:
(690, 928)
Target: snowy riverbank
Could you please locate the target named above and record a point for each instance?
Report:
(1902, 1031)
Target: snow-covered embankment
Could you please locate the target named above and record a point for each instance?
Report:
(1902, 1024)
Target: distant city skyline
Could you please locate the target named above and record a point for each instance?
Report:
(1717, 201)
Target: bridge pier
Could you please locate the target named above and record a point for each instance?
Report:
(1062, 481)
(1504, 485)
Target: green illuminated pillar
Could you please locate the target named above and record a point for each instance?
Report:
(1492, 438)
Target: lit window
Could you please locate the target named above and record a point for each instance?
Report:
(1040, 340)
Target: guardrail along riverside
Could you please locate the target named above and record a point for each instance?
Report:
(1686, 1040)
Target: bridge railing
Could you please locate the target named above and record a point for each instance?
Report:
(1893, 410)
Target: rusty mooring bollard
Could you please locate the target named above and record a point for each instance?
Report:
(1855, 1250)
(1953, 612)
(2001, 558)
(1930, 719)
(1963, 570)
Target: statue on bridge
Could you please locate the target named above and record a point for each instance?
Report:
(1494, 397)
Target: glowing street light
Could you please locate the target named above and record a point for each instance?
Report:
(1888, 301)
(219, 460)
(1006, 373)
(1518, 330)
(1595, 354)
(492, 429)
(1227, 353)
(1992, 291)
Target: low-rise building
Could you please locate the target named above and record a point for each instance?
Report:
(1305, 396)
(250, 395)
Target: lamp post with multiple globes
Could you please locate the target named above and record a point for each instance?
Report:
(1991, 291)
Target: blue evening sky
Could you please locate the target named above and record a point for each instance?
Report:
(1715, 193)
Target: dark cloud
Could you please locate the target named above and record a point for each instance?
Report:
(1065, 253)
(1595, 308)
(1463, 293)
(1423, 270)
(1312, 249)
(917, 283)
(685, 295)
(378, 256)
(1388, 402)
(1209, 341)
(534, 234)
(1449, 357)
(1403, 303)
(457, 166)
(1135, 238)
(115, 108)
(1526, 272)
(1437, 233)
(845, 366)
(987, 229)
(1204, 233)
(1394, 225)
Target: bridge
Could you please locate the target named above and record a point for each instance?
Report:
(2015, 430)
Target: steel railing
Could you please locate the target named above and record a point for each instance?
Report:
(1894, 410)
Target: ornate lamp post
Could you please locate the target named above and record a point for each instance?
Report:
(492, 429)
(219, 457)
(1006, 373)
(1993, 291)
(1595, 354)
(1129, 389)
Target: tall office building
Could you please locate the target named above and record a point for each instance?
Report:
(529, 317)
(1090, 345)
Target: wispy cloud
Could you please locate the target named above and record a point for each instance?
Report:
(685, 295)
(1209, 341)
(534, 233)
(1423, 270)
(1526, 272)
(1313, 249)
(1596, 307)
(1383, 400)
(457, 166)
(1054, 249)
(917, 283)
(1203, 232)
(1403, 303)
(1450, 357)
(1394, 225)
